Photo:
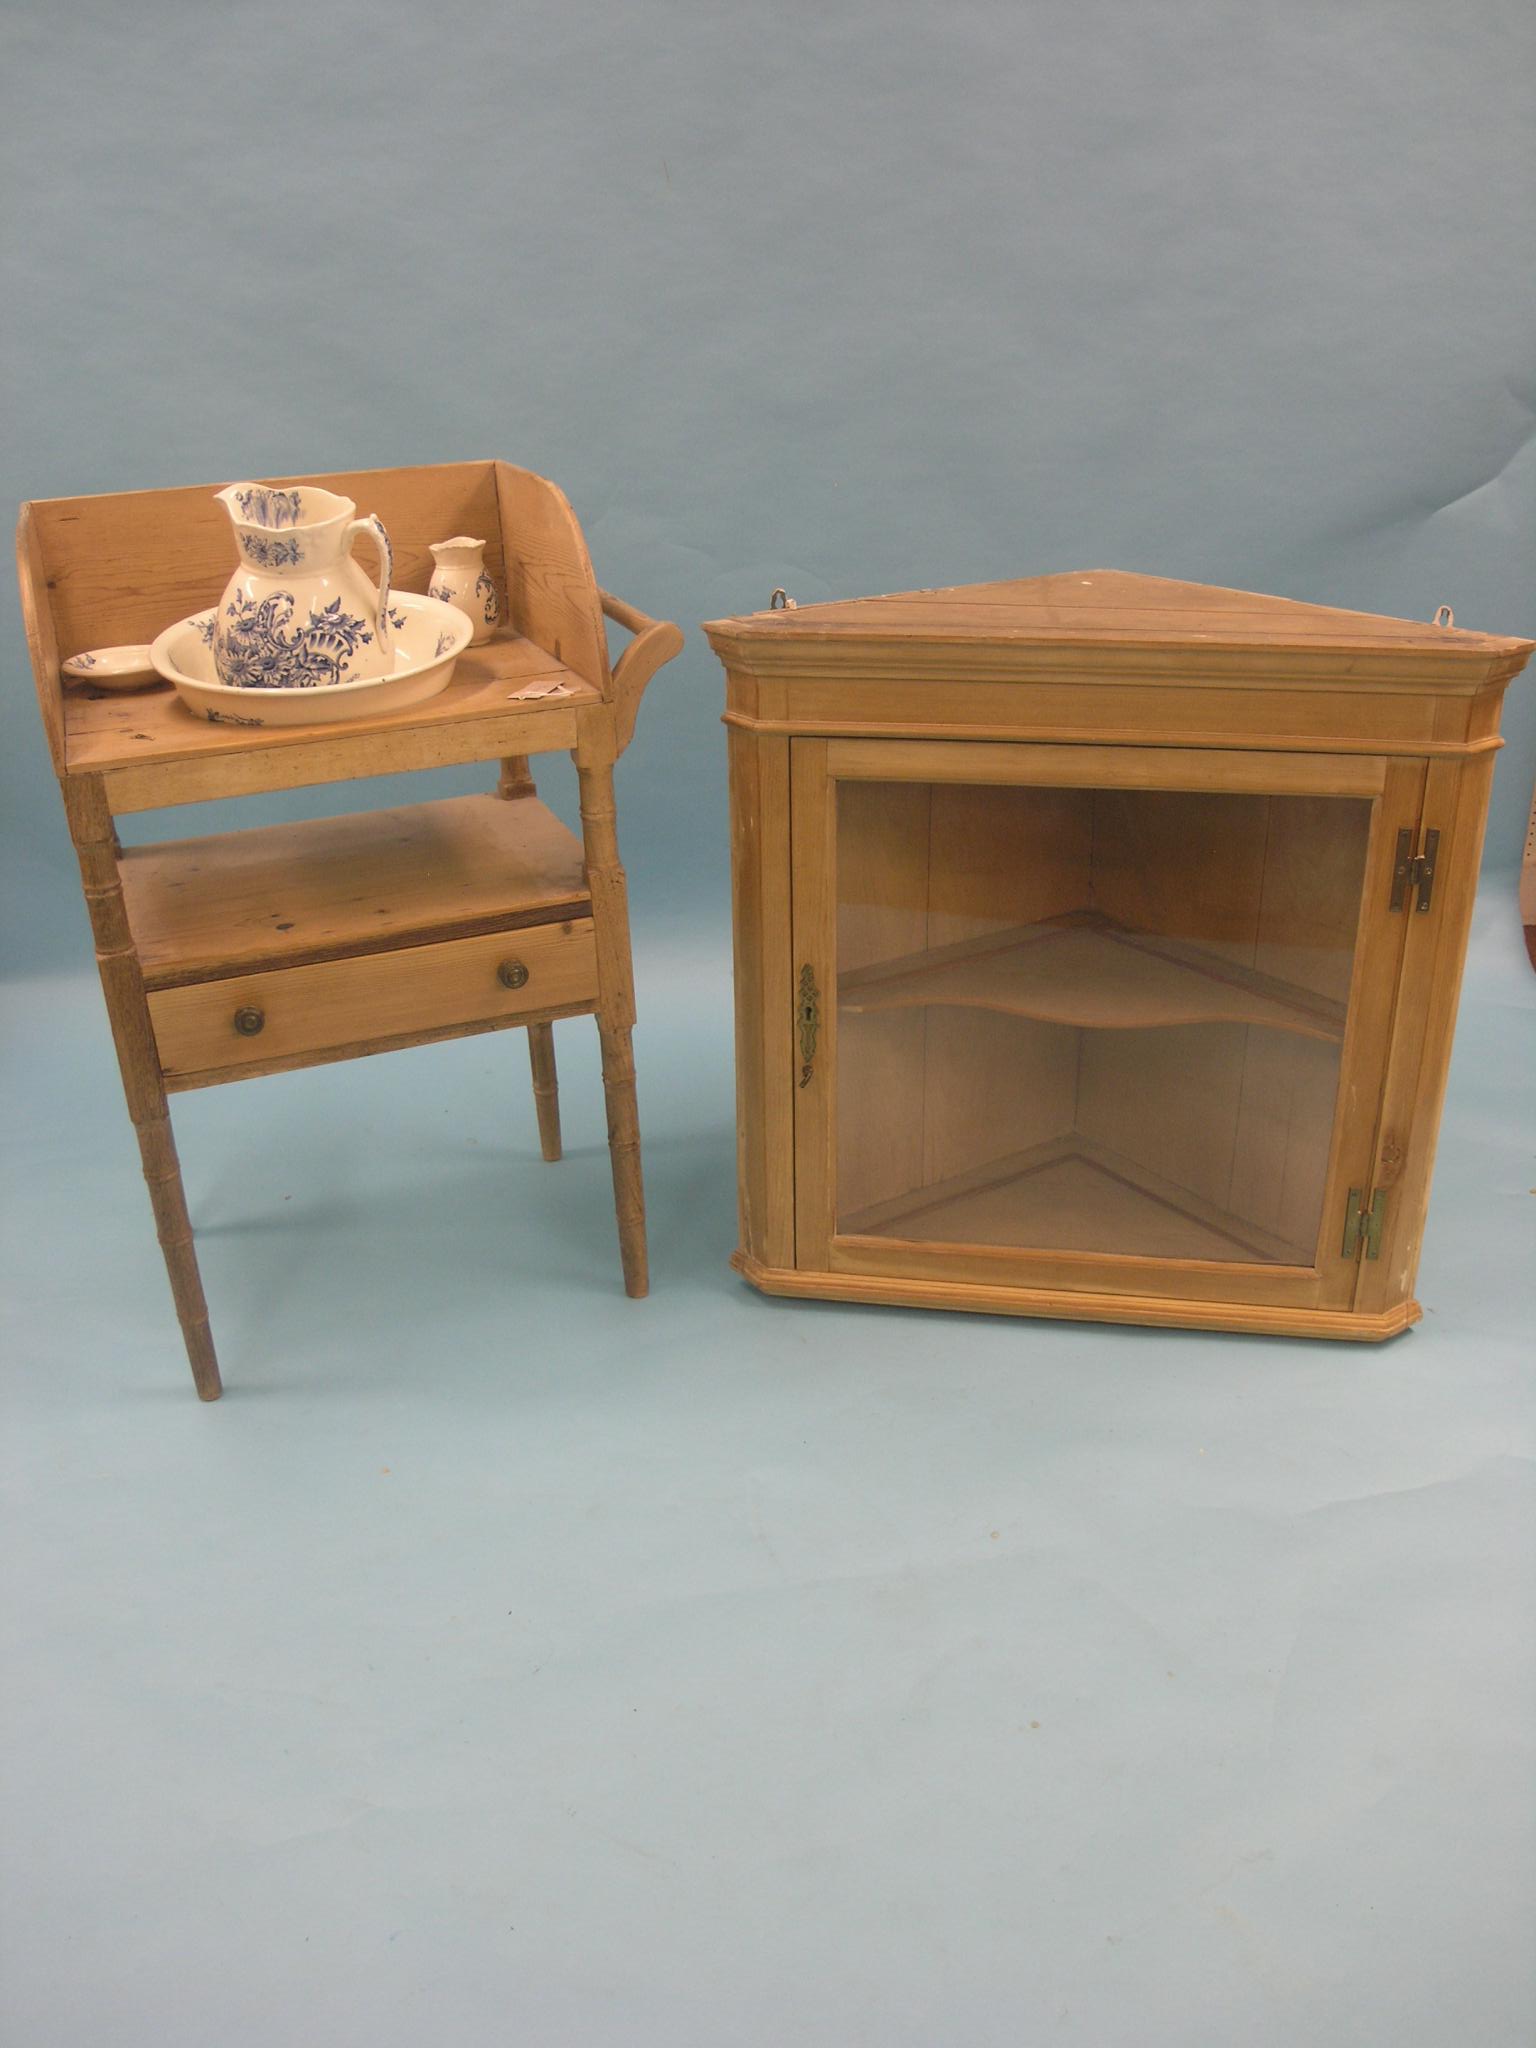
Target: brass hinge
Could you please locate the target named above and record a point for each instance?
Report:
(1412, 870)
(1362, 1224)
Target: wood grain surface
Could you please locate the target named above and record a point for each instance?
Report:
(282, 894)
(239, 954)
(374, 997)
(1091, 884)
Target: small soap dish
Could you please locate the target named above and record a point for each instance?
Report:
(112, 668)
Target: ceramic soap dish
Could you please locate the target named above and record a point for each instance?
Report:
(426, 639)
(112, 668)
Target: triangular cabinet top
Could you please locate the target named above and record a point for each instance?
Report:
(1097, 618)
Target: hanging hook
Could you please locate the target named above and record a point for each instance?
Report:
(781, 601)
(1444, 616)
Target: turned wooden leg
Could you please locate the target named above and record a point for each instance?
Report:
(624, 1151)
(516, 777)
(173, 1226)
(123, 986)
(516, 781)
(546, 1087)
(615, 1009)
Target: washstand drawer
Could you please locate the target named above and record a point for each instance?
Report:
(254, 1019)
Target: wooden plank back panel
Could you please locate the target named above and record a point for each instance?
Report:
(419, 506)
(122, 566)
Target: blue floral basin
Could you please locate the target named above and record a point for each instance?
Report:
(427, 638)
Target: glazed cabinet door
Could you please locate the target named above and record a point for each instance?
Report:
(1103, 1018)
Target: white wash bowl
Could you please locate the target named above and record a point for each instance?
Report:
(427, 639)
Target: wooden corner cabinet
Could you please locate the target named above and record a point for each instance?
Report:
(1098, 942)
(253, 952)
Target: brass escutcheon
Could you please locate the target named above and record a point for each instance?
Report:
(808, 1019)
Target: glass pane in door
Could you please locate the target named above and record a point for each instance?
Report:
(1092, 1020)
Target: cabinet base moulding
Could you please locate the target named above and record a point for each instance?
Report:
(1249, 1319)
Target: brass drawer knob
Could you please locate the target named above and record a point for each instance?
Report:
(249, 1020)
(512, 974)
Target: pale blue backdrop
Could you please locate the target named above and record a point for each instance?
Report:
(848, 298)
(503, 1661)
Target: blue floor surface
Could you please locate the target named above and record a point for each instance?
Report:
(506, 1662)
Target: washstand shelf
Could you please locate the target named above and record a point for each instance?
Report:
(253, 952)
(1098, 940)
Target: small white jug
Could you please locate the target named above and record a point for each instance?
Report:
(299, 613)
(460, 579)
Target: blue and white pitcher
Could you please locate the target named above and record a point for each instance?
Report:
(299, 613)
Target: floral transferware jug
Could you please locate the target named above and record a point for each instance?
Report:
(299, 613)
(460, 579)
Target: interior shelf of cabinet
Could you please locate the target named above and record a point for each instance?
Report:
(1083, 969)
(331, 888)
(1072, 1194)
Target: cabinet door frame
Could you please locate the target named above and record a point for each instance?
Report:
(1435, 944)
(1394, 787)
